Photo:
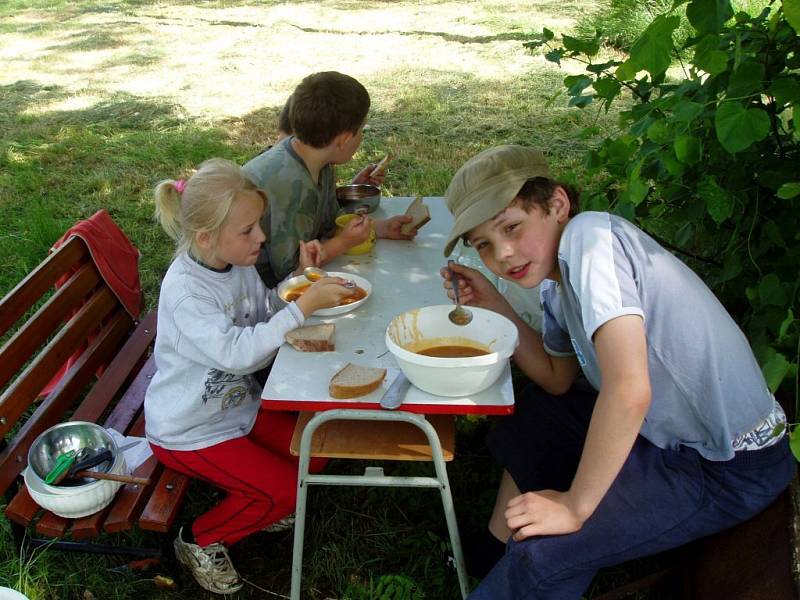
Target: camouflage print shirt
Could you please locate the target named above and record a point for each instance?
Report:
(299, 209)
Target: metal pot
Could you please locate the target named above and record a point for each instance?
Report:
(358, 197)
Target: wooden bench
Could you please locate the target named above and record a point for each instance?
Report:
(42, 330)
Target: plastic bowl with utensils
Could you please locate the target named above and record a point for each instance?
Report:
(358, 197)
(73, 502)
(429, 328)
(77, 437)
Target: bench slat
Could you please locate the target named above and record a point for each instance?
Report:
(131, 498)
(115, 376)
(161, 509)
(52, 525)
(39, 281)
(14, 458)
(132, 401)
(28, 338)
(22, 509)
(25, 389)
(90, 525)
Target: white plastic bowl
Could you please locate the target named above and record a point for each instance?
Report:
(453, 377)
(78, 501)
(364, 284)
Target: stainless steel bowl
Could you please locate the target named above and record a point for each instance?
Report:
(358, 197)
(70, 435)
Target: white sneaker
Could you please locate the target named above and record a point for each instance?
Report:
(284, 524)
(211, 566)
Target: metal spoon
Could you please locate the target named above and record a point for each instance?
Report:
(315, 274)
(459, 315)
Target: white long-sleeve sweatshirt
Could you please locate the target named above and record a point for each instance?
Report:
(215, 329)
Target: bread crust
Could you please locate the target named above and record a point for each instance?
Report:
(323, 343)
(419, 213)
(344, 391)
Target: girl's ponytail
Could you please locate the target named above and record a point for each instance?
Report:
(201, 203)
(168, 208)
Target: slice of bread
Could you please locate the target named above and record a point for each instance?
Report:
(354, 380)
(313, 338)
(419, 214)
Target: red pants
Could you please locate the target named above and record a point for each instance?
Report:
(257, 471)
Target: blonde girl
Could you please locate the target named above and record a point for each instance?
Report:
(218, 326)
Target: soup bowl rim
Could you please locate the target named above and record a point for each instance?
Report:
(360, 281)
(493, 357)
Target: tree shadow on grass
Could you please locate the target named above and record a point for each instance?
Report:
(67, 164)
(432, 129)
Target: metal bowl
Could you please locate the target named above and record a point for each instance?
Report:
(61, 438)
(358, 197)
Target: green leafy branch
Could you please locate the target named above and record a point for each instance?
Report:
(707, 158)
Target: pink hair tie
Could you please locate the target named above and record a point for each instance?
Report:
(180, 185)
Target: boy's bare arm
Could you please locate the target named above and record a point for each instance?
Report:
(334, 247)
(390, 228)
(617, 418)
(554, 374)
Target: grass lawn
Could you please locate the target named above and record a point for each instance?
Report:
(101, 100)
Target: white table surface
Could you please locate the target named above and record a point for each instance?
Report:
(404, 276)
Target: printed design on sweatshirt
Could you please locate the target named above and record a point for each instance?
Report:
(237, 306)
(231, 390)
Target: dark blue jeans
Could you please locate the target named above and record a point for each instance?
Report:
(661, 499)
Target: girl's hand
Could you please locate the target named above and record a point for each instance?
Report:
(364, 176)
(546, 512)
(357, 231)
(473, 289)
(312, 254)
(324, 293)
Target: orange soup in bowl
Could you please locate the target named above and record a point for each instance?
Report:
(298, 290)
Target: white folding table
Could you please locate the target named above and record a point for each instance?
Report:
(404, 276)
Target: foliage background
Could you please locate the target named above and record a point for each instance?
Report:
(707, 160)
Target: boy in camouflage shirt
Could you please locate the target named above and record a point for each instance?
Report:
(327, 114)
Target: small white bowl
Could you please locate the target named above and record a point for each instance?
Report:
(77, 503)
(288, 284)
(453, 377)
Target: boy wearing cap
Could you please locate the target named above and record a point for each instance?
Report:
(683, 439)
(326, 116)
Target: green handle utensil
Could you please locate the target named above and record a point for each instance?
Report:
(61, 468)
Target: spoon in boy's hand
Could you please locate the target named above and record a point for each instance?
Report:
(315, 274)
(459, 315)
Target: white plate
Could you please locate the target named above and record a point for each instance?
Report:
(288, 284)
